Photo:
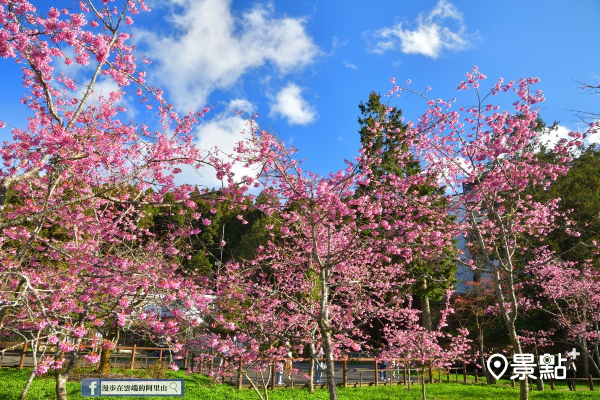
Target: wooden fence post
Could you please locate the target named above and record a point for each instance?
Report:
(345, 373)
(465, 372)
(376, 373)
(22, 362)
(591, 382)
(552, 384)
(475, 374)
(160, 354)
(132, 357)
(360, 377)
(512, 382)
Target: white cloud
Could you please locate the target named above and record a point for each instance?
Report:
(223, 132)
(550, 138)
(290, 104)
(212, 48)
(348, 64)
(593, 132)
(104, 86)
(430, 36)
(337, 42)
(241, 105)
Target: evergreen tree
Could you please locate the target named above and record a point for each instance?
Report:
(382, 133)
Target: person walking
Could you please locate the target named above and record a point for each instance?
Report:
(382, 365)
(318, 368)
(571, 370)
(285, 366)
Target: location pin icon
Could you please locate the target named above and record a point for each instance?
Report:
(497, 365)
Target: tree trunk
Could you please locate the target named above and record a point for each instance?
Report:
(426, 313)
(586, 363)
(516, 343)
(62, 377)
(255, 387)
(27, 384)
(597, 360)
(509, 321)
(330, 366)
(34, 350)
(488, 377)
(324, 321)
(481, 354)
(423, 386)
(540, 384)
(311, 369)
(590, 357)
(523, 386)
(61, 386)
(104, 366)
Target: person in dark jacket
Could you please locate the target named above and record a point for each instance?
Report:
(571, 370)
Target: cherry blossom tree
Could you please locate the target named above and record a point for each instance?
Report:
(426, 347)
(487, 158)
(573, 291)
(477, 304)
(253, 346)
(341, 256)
(75, 179)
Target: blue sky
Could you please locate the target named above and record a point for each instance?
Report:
(304, 66)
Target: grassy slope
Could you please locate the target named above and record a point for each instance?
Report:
(199, 387)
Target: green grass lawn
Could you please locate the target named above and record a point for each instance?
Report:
(199, 387)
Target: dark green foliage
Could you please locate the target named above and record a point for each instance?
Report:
(382, 133)
(387, 142)
(579, 192)
(240, 225)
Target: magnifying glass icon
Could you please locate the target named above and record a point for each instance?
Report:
(173, 385)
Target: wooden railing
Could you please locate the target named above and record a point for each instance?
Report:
(119, 352)
(132, 353)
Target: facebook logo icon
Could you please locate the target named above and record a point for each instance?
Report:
(90, 388)
(132, 387)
